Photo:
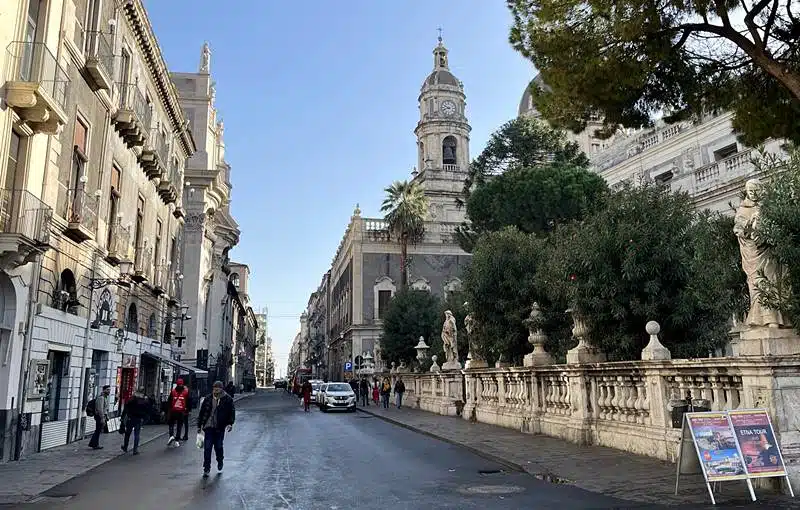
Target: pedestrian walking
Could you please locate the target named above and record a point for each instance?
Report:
(230, 389)
(306, 390)
(375, 392)
(354, 386)
(399, 389)
(177, 404)
(216, 416)
(364, 390)
(133, 415)
(386, 389)
(98, 408)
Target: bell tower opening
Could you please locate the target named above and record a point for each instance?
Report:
(449, 146)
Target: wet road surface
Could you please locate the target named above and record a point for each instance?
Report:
(279, 457)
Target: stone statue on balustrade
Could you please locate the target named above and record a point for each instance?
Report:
(450, 341)
(758, 264)
(474, 359)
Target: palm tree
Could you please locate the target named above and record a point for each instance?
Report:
(406, 208)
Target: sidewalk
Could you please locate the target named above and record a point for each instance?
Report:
(597, 469)
(23, 481)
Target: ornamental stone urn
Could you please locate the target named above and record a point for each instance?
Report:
(537, 338)
(584, 352)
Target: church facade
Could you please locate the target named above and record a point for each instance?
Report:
(365, 272)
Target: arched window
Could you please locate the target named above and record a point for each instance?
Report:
(235, 280)
(449, 146)
(132, 324)
(66, 298)
(151, 326)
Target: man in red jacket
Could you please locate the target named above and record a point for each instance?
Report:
(178, 405)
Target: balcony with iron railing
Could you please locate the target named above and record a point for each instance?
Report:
(79, 209)
(99, 59)
(168, 187)
(143, 263)
(119, 243)
(36, 86)
(134, 115)
(155, 155)
(24, 227)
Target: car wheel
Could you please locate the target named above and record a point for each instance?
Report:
(324, 408)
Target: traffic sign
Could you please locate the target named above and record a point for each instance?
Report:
(348, 366)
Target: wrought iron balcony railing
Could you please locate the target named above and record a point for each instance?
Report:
(99, 58)
(132, 99)
(33, 62)
(23, 213)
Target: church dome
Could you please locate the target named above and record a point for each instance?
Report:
(441, 77)
(526, 106)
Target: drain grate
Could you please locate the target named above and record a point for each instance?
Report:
(492, 489)
(485, 472)
(550, 478)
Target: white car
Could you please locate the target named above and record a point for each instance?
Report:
(338, 395)
(320, 394)
(315, 387)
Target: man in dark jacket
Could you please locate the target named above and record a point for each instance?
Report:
(364, 391)
(133, 415)
(217, 414)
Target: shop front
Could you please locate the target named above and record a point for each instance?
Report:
(162, 373)
(57, 399)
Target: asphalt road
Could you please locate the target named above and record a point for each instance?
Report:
(279, 457)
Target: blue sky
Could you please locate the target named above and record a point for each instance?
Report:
(319, 100)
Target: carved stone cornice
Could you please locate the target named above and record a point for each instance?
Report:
(143, 31)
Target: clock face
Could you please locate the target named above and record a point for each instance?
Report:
(448, 108)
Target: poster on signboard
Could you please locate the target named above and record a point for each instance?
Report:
(762, 456)
(716, 447)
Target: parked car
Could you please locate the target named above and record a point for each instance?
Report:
(280, 383)
(338, 395)
(315, 386)
(319, 396)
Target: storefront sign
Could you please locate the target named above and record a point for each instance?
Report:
(762, 457)
(128, 361)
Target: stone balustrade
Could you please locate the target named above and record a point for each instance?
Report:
(623, 405)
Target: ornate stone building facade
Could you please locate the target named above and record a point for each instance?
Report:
(93, 282)
(98, 139)
(365, 271)
(210, 231)
(702, 157)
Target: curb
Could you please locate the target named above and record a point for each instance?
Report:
(480, 453)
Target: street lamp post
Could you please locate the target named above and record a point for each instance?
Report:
(97, 283)
(183, 318)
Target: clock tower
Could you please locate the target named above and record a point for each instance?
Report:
(442, 139)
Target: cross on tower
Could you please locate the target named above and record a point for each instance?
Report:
(440, 33)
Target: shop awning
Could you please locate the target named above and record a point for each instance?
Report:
(177, 364)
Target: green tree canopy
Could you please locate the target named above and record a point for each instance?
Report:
(406, 208)
(523, 142)
(499, 285)
(411, 314)
(779, 229)
(647, 256)
(506, 182)
(536, 199)
(626, 60)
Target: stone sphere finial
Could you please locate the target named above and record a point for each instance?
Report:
(652, 328)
